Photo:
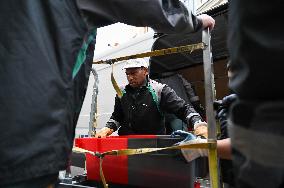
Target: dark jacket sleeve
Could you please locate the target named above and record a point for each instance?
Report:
(171, 103)
(166, 16)
(194, 99)
(188, 88)
(116, 117)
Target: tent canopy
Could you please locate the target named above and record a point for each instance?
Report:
(160, 65)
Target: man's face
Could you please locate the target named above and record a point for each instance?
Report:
(136, 76)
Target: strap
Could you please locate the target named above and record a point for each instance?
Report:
(115, 85)
(82, 53)
(155, 97)
(211, 145)
(181, 49)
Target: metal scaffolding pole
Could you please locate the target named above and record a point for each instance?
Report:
(93, 113)
(209, 86)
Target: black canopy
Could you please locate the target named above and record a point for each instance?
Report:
(173, 62)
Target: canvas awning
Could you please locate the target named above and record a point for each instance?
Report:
(173, 62)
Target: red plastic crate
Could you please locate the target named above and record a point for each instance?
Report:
(150, 170)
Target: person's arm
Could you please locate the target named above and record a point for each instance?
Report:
(172, 103)
(193, 98)
(223, 146)
(166, 16)
(224, 149)
(114, 122)
(189, 90)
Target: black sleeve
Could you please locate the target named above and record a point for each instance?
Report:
(116, 117)
(171, 103)
(188, 88)
(222, 109)
(193, 98)
(165, 16)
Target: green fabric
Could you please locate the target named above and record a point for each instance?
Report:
(123, 92)
(155, 97)
(82, 53)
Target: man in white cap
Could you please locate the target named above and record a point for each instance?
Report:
(140, 109)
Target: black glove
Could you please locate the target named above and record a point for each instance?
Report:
(222, 106)
(228, 100)
(222, 109)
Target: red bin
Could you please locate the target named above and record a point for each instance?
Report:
(157, 169)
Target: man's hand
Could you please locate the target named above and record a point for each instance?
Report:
(200, 129)
(207, 21)
(104, 132)
(190, 154)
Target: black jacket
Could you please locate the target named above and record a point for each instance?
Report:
(140, 111)
(46, 50)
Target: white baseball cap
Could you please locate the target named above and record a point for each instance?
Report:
(135, 63)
